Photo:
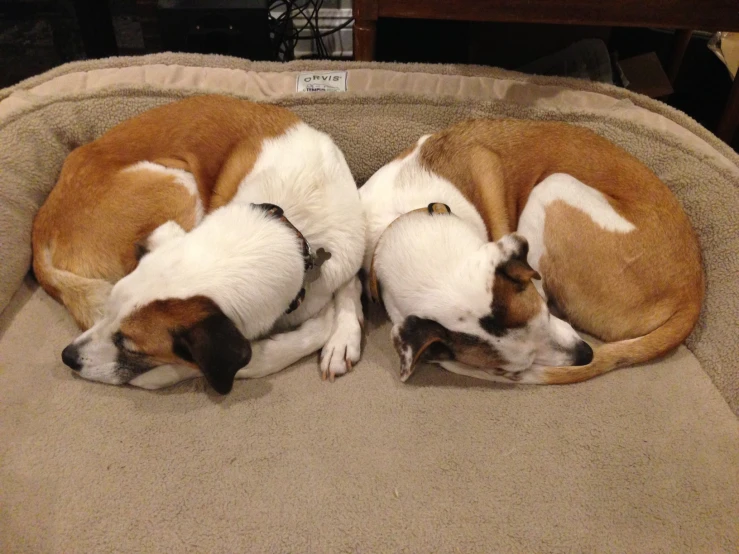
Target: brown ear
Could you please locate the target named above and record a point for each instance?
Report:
(418, 339)
(217, 347)
(519, 270)
(517, 267)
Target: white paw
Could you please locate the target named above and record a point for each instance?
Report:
(343, 348)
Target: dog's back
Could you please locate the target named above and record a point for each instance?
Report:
(641, 289)
(106, 200)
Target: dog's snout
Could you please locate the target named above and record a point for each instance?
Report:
(583, 353)
(71, 357)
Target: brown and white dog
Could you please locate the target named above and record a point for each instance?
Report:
(208, 236)
(616, 253)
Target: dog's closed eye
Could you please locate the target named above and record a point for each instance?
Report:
(122, 342)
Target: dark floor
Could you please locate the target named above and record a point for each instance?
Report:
(701, 89)
(38, 35)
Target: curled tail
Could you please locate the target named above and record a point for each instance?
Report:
(613, 355)
(84, 297)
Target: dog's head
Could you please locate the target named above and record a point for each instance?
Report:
(195, 300)
(478, 306)
(190, 331)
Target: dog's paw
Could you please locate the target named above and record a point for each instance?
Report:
(342, 350)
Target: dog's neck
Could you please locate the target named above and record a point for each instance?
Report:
(249, 263)
(312, 259)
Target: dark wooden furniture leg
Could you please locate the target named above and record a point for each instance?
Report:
(146, 10)
(730, 118)
(365, 33)
(679, 46)
(365, 29)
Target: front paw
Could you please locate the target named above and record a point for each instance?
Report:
(342, 350)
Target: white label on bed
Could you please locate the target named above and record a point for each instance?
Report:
(322, 81)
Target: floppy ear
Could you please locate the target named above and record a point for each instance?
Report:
(418, 339)
(217, 347)
(519, 270)
(517, 267)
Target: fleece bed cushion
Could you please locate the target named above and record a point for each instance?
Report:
(642, 460)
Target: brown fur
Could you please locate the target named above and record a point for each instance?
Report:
(149, 329)
(641, 291)
(515, 303)
(215, 138)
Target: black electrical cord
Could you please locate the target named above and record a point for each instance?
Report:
(285, 35)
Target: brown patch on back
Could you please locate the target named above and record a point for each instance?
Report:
(116, 221)
(216, 138)
(238, 166)
(496, 164)
(636, 288)
(614, 286)
(151, 327)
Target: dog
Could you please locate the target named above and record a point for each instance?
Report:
(490, 242)
(209, 236)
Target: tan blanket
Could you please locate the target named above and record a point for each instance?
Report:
(386, 108)
(642, 460)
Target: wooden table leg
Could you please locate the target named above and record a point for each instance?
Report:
(679, 46)
(365, 29)
(730, 118)
(365, 35)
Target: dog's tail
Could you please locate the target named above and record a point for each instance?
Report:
(84, 297)
(614, 355)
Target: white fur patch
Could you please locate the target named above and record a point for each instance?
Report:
(181, 177)
(577, 194)
(404, 185)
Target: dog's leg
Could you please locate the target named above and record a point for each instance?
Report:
(275, 353)
(343, 348)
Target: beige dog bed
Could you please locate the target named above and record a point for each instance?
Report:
(644, 459)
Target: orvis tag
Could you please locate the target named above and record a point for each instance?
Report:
(322, 81)
(320, 257)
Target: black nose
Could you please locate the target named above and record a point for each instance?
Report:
(71, 357)
(583, 354)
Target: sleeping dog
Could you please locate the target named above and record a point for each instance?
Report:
(208, 236)
(601, 245)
